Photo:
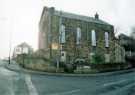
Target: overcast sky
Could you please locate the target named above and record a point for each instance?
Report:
(20, 18)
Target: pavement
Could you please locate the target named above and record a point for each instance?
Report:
(20, 82)
(17, 68)
(11, 83)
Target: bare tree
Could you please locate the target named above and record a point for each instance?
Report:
(132, 35)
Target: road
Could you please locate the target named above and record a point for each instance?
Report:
(20, 83)
(108, 85)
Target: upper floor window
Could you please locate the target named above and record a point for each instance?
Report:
(78, 36)
(62, 34)
(93, 38)
(106, 39)
(18, 50)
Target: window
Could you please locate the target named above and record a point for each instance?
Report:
(78, 36)
(62, 54)
(62, 35)
(25, 50)
(106, 39)
(61, 47)
(18, 50)
(93, 38)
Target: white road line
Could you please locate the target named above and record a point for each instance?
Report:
(67, 92)
(113, 83)
(31, 87)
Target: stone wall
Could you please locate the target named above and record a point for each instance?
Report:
(85, 48)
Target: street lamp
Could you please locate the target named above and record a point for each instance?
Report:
(10, 37)
(55, 46)
(10, 45)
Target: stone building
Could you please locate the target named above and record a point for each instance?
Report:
(70, 37)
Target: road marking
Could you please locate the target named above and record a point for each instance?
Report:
(67, 92)
(113, 83)
(31, 87)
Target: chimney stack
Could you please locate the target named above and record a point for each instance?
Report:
(96, 16)
(52, 9)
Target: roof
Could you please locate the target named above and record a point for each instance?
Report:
(73, 16)
(24, 44)
(79, 17)
(123, 36)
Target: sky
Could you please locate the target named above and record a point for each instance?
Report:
(19, 18)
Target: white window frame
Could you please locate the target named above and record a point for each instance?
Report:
(93, 38)
(18, 50)
(25, 50)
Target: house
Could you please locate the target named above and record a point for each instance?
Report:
(22, 48)
(129, 45)
(69, 37)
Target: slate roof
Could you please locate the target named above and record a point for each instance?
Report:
(74, 16)
(79, 17)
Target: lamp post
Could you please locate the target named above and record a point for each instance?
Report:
(10, 45)
(22, 57)
(55, 46)
(10, 48)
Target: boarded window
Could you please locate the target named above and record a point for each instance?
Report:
(106, 39)
(78, 36)
(93, 38)
(62, 37)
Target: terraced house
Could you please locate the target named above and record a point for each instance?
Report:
(68, 38)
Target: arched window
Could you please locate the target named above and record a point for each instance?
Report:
(106, 39)
(78, 36)
(93, 38)
(62, 35)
